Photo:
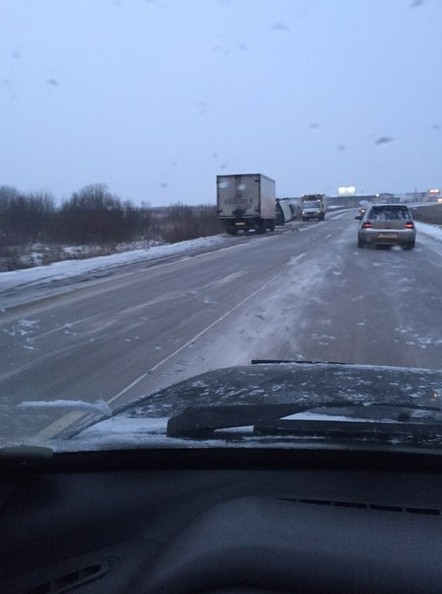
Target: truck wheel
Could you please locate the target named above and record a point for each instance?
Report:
(361, 243)
(272, 226)
(232, 231)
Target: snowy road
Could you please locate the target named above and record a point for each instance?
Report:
(307, 293)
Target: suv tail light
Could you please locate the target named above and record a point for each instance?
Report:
(409, 225)
(366, 225)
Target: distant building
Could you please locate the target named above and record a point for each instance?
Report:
(386, 198)
(350, 201)
(433, 195)
(344, 191)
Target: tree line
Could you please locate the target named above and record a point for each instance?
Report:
(93, 215)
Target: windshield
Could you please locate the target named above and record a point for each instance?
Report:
(144, 147)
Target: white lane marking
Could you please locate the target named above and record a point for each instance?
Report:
(218, 282)
(131, 385)
(328, 236)
(191, 341)
(295, 259)
(226, 279)
(338, 215)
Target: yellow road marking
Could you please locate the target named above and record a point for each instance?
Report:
(59, 425)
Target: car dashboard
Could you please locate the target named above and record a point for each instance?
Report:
(209, 521)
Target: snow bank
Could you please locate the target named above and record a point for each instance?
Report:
(434, 231)
(99, 407)
(70, 269)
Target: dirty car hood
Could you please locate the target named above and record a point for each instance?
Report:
(144, 423)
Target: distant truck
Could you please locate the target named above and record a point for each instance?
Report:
(246, 202)
(313, 206)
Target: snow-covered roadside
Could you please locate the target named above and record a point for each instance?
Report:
(434, 231)
(41, 276)
(71, 269)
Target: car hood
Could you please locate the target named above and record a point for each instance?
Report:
(225, 407)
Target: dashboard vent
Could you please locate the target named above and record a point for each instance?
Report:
(73, 579)
(372, 506)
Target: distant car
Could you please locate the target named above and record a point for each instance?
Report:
(387, 225)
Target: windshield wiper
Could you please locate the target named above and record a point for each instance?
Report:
(299, 361)
(351, 430)
(376, 419)
(201, 422)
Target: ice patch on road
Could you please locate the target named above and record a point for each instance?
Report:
(24, 327)
(324, 339)
(416, 339)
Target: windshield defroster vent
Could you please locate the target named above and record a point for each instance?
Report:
(73, 579)
(372, 506)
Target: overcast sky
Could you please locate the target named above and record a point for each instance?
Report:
(157, 97)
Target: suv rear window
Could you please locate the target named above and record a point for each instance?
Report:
(389, 213)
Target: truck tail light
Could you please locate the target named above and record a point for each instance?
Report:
(409, 225)
(367, 225)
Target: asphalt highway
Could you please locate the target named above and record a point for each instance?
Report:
(303, 292)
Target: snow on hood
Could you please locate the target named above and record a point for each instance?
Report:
(145, 421)
(99, 407)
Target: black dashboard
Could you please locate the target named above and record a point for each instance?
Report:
(214, 522)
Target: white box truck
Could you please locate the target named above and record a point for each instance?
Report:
(313, 206)
(246, 202)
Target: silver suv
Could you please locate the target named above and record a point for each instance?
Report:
(387, 225)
